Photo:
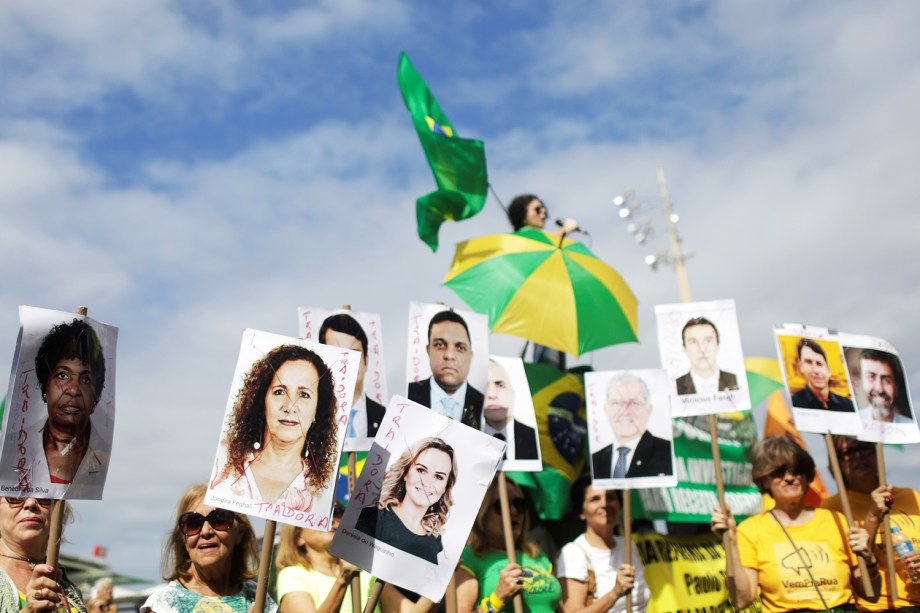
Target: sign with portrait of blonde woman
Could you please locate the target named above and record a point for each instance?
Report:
(361, 332)
(700, 346)
(60, 414)
(415, 501)
(283, 430)
(816, 377)
(630, 437)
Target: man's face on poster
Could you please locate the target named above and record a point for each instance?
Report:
(449, 354)
(499, 405)
(878, 383)
(814, 368)
(701, 344)
(70, 394)
(628, 409)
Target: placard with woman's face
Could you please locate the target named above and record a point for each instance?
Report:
(60, 412)
(629, 429)
(361, 332)
(416, 498)
(880, 389)
(816, 379)
(282, 434)
(447, 362)
(700, 347)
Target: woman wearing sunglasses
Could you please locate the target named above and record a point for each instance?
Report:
(281, 445)
(35, 586)
(801, 558)
(592, 568)
(486, 582)
(415, 500)
(208, 560)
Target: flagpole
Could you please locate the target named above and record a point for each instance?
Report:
(677, 262)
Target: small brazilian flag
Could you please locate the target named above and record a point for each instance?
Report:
(458, 164)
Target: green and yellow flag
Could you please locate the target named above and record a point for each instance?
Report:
(559, 404)
(458, 164)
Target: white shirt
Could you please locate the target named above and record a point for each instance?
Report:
(707, 385)
(573, 563)
(437, 394)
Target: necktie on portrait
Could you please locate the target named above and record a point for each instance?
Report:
(350, 430)
(502, 438)
(619, 471)
(450, 407)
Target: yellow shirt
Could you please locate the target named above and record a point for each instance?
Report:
(783, 576)
(905, 514)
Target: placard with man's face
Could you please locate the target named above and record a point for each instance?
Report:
(629, 429)
(508, 414)
(447, 363)
(816, 379)
(60, 411)
(880, 389)
(700, 348)
(360, 332)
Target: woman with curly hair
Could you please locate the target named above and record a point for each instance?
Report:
(281, 442)
(208, 561)
(415, 500)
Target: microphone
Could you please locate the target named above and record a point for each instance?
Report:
(562, 224)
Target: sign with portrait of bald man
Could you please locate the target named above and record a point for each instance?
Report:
(447, 362)
(629, 429)
(700, 347)
(359, 332)
(817, 380)
(508, 414)
(880, 390)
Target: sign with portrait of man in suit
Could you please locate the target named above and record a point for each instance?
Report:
(629, 429)
(447, 363)
(359, 332)
(508, 414)
(700, 347)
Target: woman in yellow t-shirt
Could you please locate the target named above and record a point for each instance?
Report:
(801, 558)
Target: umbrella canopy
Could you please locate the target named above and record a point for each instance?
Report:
(548, 290)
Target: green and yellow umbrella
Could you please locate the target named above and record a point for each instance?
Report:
(548, 290)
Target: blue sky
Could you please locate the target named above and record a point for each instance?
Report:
(188, 170)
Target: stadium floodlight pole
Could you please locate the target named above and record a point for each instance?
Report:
(677, 256)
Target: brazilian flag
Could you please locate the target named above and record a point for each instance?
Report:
(559, 403)
(458, 164)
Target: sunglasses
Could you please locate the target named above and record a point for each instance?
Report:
(191, 523)
(513, 503)
(18, 502)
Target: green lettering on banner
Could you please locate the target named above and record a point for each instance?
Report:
(694, 497)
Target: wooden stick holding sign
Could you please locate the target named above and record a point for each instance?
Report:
(627, 536)
(847, 511)
(352, 475)
(886, 524)
(265, 564)
(720, 492)
(509, 535)
(57, 511)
